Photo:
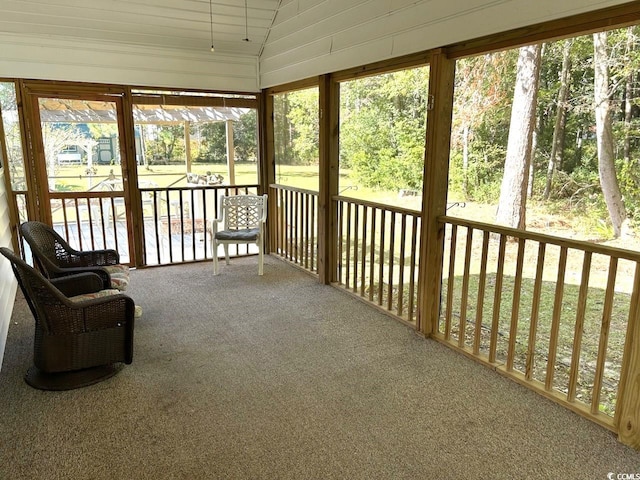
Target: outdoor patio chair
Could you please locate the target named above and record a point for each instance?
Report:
(83, 334)
(56, 258)
(243, 218)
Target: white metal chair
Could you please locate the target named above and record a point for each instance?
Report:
(243, 218)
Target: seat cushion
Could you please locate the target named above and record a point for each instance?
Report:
(245, 235)
(104, 293)
(119, 275)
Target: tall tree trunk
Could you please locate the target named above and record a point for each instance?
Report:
(513, 192)
(604, 134)
(628, 96)
(561, 119)
(465, 161)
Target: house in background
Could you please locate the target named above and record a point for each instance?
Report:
(269, 47)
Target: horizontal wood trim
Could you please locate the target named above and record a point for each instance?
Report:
(277, 186)
(293, 86)
(380, 206)
(195, 101)
(386, 66)
(582, 24)
(544, 238)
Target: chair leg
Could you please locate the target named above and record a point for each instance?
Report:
(226, 253)
(260, 259)
(214, 248)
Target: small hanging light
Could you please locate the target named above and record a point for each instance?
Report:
(246, 23)
(211, 23)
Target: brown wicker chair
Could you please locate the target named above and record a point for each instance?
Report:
(83, 334)
(56, 258)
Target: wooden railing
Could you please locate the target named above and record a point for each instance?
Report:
(296, 231)
(91, 220)
(377, 255)
(176, 219)
(551, 313)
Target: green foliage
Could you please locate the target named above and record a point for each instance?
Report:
(382, 130)
(296, 127)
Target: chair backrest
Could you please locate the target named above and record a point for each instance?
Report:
(39, 293)
(243, 211)
(47, 246)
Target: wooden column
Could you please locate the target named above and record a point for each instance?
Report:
(434, 195)
(132, 198)
(231, 163)
(267, 166)
(628, 403)
(328, 188)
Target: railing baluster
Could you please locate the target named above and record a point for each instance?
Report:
(363, 249)
(607, 308)
(156, 221)
(91, 232)
(465, 289)
(314, 246)
(515, 306)
(340, 240)
(347, 247)
(356, 227)
(497, 298)
(450, 281)
(482, 283)
(383, 217)
(392, 238)
(403, 239)
(372, 250)
(555, 321)
(579, 327)
(535, 309)
(412, 281)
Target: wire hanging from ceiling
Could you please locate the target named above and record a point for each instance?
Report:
(211, 23)
(246, 23)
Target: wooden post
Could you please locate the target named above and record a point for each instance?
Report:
(328, 187)
(231, 168)
(434, 195)
(132, 198)
(267, 167)
(628, 411)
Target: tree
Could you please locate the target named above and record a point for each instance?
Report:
(513, 191)
(557, 145)
(604, 134)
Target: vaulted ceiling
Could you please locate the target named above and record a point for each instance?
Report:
(258, 43)
(180, 24)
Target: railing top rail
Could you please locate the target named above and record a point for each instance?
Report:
(545, 238)
(91, 194)
(278, 186)
(381, 206)
(197, 187)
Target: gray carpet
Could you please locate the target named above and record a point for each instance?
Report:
(278, 377)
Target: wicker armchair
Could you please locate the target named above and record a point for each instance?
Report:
(82, 333)
(56, 258)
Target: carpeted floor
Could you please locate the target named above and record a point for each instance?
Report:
(278, 377)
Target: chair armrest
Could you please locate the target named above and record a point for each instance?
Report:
(98, 257)
(99, 271)
(78, 284)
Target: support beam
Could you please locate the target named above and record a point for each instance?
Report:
(267, 167)
(434, 195)
(327, 208)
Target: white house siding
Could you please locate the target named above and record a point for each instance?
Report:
(31, 56)
(8, 282)
(311, 37)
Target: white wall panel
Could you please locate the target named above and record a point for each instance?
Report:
(8, 284)
(40, 58)
(355, 32)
